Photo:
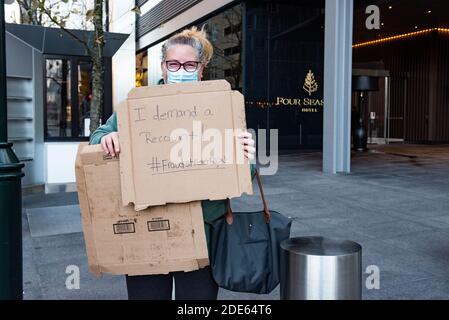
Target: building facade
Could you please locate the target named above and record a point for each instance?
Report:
(272, 52)
(282, 55)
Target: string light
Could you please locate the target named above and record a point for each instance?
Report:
(401, 36)
(260, 104)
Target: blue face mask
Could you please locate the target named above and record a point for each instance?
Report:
(181, 76)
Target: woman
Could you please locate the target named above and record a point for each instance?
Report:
(184, 57)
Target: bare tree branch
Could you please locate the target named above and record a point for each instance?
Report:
(61, 25)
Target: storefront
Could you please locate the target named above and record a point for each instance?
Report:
(49, 92)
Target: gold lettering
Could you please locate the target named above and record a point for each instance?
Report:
(281, 101)
(288, 101)
(309, 110)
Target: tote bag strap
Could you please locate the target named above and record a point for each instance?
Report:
(229, 215)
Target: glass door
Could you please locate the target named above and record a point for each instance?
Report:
(68, 95)
(58, 98)
(84, 94)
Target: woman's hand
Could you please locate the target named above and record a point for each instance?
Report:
(248, 144)
(110, 143)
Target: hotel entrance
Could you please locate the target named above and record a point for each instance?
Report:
(404, 45)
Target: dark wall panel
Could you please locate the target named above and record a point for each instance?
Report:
(442, 83)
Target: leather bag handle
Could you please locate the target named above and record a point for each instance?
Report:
(229, 214)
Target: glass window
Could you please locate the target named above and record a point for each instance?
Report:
(232, 50)
(59, 102)
(232, 29)
(68, 96)
(142, 69)
(225, 32)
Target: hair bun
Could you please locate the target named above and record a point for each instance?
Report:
(206, 51)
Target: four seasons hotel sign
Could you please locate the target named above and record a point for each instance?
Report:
(308, 104)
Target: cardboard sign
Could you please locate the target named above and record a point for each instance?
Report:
(120, 240)
(178, 144)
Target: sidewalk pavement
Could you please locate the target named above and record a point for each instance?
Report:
(395, 203)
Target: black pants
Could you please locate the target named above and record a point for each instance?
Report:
(194, 285)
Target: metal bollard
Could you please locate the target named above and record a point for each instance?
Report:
(318, 268)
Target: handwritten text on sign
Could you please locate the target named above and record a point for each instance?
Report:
(204, 146)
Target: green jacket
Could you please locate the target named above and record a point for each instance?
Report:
(211, 209)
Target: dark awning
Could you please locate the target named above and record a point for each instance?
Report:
(56, 41)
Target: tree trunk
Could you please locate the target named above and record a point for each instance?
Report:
(96, 107)
(28, 14)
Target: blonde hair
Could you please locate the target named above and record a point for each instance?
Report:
(195, 38)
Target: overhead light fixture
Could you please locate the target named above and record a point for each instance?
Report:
(382, 24)
(430, 11)
(402, 36)
(390, 7)
(416, 27)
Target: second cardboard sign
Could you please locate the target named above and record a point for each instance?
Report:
(178, 144)
(119, 240)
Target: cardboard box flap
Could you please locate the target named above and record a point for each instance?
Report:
(84, 207)
(179, 88)
(78, 160)
(126, 178)
(141, 269)
(120, 240)
(243, 174)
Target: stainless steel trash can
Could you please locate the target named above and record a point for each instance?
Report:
(318, 268)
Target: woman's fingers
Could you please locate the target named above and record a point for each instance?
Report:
(249, 156)
(249, 152)
(244, 134)
(249, 141)
(114, 137)
(110, 145)
(103, 144)
(248, 144)
(249, 149)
